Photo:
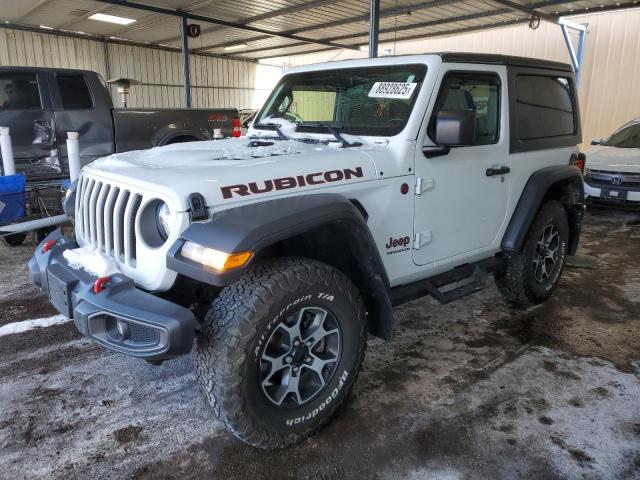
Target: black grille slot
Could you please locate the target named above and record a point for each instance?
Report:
(120, 219)
(132, 224)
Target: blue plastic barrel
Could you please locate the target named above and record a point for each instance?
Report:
(12, 198)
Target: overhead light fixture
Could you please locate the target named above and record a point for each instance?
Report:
(46, 27)
(103, 17)
(235, 46)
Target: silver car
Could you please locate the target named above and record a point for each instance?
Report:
(613, 173)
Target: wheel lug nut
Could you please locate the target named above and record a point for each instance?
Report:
(288, 359)
(296, 343)
(307, 359)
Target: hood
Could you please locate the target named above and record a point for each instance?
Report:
(613, 159)
(232, 170)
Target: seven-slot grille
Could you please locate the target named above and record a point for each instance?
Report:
(106, 218)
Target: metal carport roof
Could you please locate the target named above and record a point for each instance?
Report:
(269, 28)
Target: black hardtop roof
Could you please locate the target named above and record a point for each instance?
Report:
(510, 60)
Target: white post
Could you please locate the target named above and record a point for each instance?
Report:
(8, 163)
(73, 154)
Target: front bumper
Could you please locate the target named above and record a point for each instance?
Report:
(121, 317)
(595, 193)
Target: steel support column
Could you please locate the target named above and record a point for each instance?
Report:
(374, 27)
(185, 62)
(575, 56)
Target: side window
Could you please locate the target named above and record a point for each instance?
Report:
(19, 91)
(74, 92)
(472, 91)
(544, 107)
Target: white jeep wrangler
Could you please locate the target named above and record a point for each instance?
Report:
(360, 185)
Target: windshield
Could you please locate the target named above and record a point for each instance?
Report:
(628, 137)
(360, 101)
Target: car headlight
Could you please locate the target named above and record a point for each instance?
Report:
(164, 219)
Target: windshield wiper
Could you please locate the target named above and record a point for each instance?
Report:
(272, 126)
(333, 130)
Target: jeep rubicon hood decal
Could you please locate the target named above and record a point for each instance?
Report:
(232, 170)
(285, 183)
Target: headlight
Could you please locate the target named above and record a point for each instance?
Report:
(164, 219)
(215, 260)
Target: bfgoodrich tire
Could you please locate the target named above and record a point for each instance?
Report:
(530, 276)
(280, 350)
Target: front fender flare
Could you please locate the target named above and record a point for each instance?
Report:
(257, 226)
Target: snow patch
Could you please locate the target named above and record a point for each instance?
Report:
(199, 154)
(19, 327)
(91, 261)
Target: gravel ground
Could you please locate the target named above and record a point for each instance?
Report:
(469, 390)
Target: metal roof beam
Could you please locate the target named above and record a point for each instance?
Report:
(430, 23)
(389, 12)
(155, 18)
(31, 10)
(225, 23)
(419, 36)
(263, 16)
(526, 9)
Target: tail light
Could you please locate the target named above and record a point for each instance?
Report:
(236, 131)
(579, 161)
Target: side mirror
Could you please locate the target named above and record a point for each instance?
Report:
(453, 128)
(596, 141)
(456, 127)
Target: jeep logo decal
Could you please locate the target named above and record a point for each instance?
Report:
(285, 183)
(398, 244)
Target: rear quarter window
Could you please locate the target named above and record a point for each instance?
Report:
(74, 92)
(544, 107)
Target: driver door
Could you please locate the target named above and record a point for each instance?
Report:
(461, 204)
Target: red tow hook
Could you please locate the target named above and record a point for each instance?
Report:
(48, 245)
(100, 284)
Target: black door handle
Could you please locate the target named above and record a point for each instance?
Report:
(497, 171)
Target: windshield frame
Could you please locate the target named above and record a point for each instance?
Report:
(420, 69)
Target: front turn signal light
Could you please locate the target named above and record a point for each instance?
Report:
(212, 259)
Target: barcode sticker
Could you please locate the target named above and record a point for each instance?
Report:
(392, 90)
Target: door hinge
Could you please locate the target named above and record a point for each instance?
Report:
(424, 184)
(422, 239)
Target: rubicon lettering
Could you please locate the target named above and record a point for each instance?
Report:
(285, 183)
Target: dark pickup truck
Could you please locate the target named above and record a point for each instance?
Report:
(40, 105)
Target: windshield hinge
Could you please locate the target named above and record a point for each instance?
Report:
(424, 184)
(421, 239)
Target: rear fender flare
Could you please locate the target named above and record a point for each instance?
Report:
(562, 183)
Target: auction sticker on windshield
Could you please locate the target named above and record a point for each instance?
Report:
(392, 90)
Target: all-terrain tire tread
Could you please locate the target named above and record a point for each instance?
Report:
(512, 279)
(228, 331)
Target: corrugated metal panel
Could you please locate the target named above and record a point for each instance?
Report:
(609, 93)
(216, 82)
